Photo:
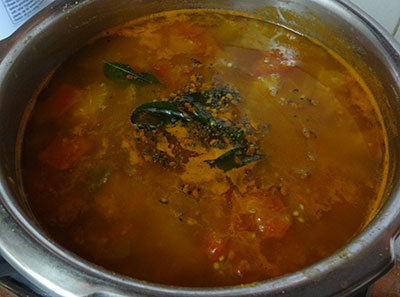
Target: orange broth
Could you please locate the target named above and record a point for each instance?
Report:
(263, 153)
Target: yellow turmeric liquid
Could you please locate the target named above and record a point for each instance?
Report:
(154, 204)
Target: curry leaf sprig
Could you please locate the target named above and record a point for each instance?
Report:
(152, 115)
(193, 110)
(124, 73)
(234, 158)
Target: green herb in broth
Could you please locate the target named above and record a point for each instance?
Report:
(124, 73)
(151, 115)
(235, 158)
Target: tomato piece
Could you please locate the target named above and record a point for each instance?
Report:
(198, 40)
(244, 222)
(260, 212)
(164, 69)
(59, 103)
(242, 268)
(216, 245)
(274, 227)
(62, 153)
(173, 77)
(183, 39)
(272, 216)
(186, 69)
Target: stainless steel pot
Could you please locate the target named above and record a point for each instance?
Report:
(52, 35)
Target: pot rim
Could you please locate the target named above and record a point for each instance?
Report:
(388, 218)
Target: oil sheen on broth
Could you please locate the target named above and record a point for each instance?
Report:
(203, 148)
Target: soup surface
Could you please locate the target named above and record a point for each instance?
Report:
(203, 148)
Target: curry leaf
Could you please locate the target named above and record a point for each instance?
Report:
(161, 108)
(148, 77)
(198, 97)
(154, 114)
(124, 73)
(192, 98)
(234, 158)
(201, 114)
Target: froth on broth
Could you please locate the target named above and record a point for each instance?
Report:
(203, 148)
